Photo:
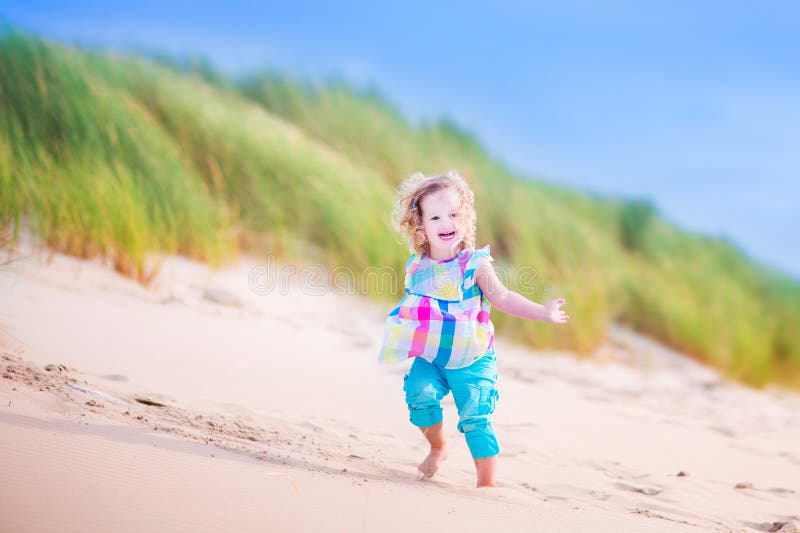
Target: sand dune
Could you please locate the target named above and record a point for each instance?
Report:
(198, 405)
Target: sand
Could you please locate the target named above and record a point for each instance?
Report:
(269, 412)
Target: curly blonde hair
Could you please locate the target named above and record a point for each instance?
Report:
(407, 211)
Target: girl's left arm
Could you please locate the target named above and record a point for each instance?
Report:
(514, 303)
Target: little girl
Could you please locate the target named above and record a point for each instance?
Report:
(443, 319)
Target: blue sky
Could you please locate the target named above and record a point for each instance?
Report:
(695, 105)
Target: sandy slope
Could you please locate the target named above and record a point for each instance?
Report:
(276, 417)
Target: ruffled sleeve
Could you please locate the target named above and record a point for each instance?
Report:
(411, 266)
(413, 262)
(477, 256)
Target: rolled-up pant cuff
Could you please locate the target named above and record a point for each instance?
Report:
(426, 416)
(482, 443)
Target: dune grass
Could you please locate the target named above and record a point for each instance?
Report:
(129, 158)
(91, 170)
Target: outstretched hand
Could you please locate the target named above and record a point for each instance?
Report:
(553, 312)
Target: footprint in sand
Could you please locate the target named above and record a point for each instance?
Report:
(723, 431)
(779, 526)
(781, 490)
(313, 427)
(115, 377)
(598, 495)
(615, 470)
(776, 490)
(793, 458)
(649, 491)
(222, 297)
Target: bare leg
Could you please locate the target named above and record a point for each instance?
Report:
(486, 468)
(438, 452)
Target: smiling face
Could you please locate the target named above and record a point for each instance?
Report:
(441, 223)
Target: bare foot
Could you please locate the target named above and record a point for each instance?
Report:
(431, 464)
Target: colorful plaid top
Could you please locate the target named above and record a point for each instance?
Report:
(444, 316)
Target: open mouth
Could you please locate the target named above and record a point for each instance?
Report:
(447, 236)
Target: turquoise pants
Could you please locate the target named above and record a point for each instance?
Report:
(473, 391)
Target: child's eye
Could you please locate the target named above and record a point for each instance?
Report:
(434, 218)
(452, 215)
